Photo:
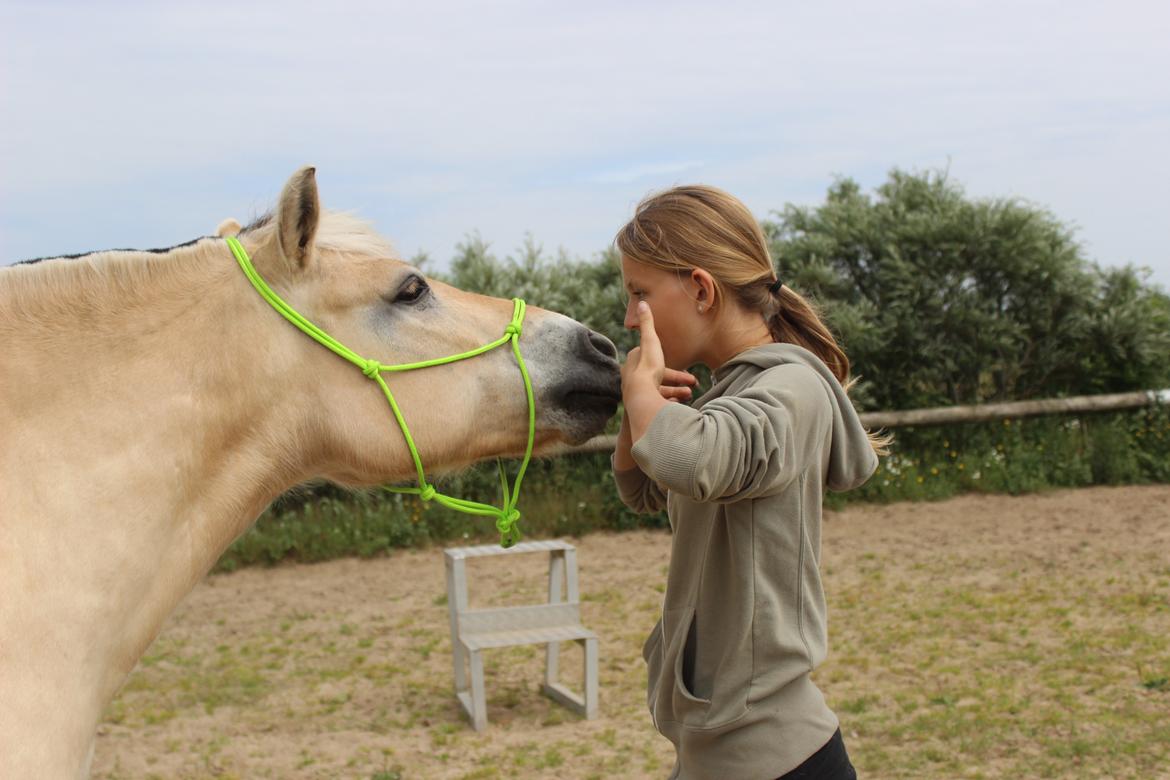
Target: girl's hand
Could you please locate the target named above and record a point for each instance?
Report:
(645, 364)
(646, 386)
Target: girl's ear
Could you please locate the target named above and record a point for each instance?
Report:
(704, 287)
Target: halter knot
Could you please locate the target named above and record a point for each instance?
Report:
(371, 368)
(507, 520)
(513, 329)
(506, 525)
(427, 493)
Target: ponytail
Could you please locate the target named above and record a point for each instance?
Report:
(794, 320)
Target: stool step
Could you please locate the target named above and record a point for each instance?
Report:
(494, 549)
(481, 621)
(533, 636)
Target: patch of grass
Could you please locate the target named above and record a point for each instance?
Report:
(981, 640)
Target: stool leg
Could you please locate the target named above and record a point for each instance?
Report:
(590, 679)
(556, 573)
(460, 666)
(551, 663)
(478, 700)
(457, 604)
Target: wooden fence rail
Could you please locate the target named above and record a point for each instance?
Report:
(964, 414)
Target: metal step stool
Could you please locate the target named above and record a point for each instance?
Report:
(474, 630)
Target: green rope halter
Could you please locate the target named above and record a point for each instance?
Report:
(506, 515)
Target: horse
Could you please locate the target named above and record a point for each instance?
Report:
(152, 405)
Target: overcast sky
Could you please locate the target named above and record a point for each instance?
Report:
(143, 124)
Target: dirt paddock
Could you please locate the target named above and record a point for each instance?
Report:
(983, 637)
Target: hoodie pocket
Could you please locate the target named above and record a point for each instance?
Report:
(674, 699)
(652, 655)
(684, 671)
(671, 698)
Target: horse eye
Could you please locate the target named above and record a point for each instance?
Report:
(410, 292)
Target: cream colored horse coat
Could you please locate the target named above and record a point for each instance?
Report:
(152, 405)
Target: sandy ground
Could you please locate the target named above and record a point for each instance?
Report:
(956, 627)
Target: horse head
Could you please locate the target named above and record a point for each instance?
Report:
(348, 281)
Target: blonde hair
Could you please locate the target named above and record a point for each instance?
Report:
(697, 226)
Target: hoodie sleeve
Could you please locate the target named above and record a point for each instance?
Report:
(638, 491)
(743, 446)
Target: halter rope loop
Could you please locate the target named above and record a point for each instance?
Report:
(506, 515)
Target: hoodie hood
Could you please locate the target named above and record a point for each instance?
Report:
(851, 457)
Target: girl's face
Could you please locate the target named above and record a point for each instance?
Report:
(673, 299)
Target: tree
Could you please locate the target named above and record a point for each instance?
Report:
(937, 299)
(940, 299)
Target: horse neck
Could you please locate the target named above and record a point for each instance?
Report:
(149, 428)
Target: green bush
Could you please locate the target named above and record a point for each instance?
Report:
(1021, 456)
(574, 495)
(940, 299)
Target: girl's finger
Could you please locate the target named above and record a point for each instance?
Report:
(649, 337)
(675, 393)
(675, 377)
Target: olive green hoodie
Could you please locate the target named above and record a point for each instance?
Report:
(742, 474)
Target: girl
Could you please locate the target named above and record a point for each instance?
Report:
(742, 474)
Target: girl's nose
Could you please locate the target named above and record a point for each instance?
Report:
(631, 322)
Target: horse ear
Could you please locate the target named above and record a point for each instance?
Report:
(229, 227)
(296, 218)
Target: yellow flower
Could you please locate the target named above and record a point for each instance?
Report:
(961, 467)
(920, 480)
(934, 471)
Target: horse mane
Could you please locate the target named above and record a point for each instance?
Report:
(96, 282)
(158, 251)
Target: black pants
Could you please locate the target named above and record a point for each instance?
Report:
(829, 763)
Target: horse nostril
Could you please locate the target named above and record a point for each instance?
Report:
(601, 344)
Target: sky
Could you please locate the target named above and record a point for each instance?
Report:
(144, 124)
